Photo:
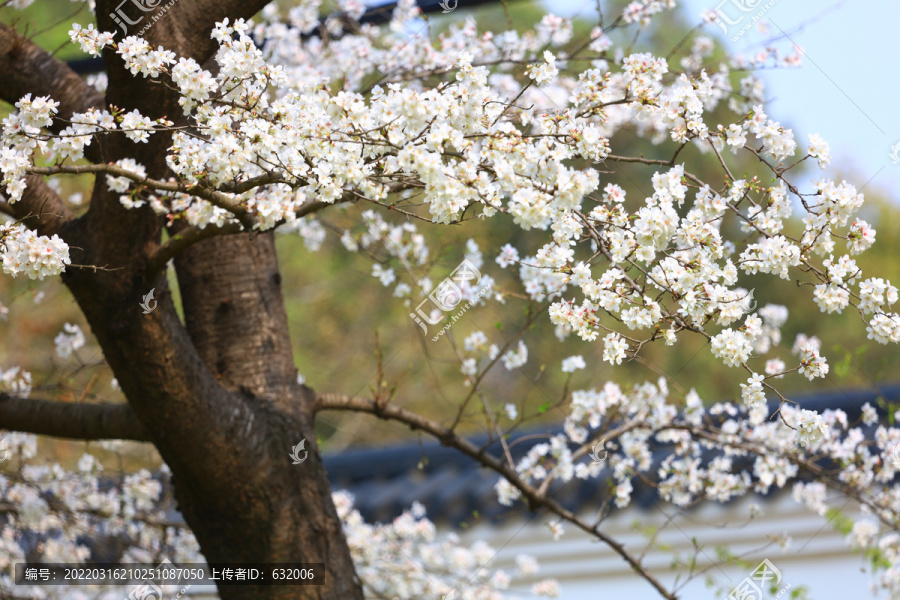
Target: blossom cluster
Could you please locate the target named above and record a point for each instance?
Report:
(466, 144)
(56, 509)
(23, 251)
(696, 453)
(426, 566)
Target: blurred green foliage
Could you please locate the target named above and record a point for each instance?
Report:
(47, 23)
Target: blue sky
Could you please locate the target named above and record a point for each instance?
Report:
(848, 88)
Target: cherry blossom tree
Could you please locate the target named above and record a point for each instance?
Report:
(211, 132)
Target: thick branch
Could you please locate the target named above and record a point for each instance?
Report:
(183, 240)
(253, 182)
(27, 68)
(70, 420)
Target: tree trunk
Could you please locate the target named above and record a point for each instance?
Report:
(216, 395)
(224, 409)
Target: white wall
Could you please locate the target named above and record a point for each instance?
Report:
(817, 557)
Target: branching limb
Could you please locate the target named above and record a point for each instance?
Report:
(27, 68)
(216, 198)
(184, 239)
(332, 401)
(189, 236)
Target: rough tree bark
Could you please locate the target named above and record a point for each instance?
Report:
(217, 395)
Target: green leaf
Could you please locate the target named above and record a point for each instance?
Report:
(842, 368)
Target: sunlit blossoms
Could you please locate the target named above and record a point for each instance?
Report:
(37, 256)
(733, 347)
(614, 349)
(90, 40)
(752, 392)
(810, 427)
(469, 148)
(545, 72)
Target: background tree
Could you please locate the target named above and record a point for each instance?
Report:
(201, 146)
